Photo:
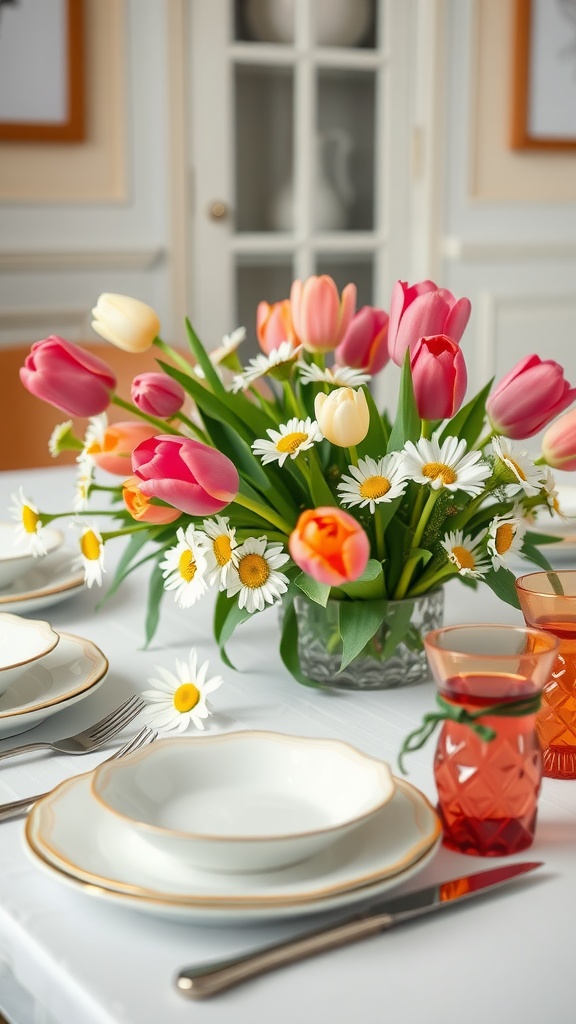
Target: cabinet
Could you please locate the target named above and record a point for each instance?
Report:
(299, 132)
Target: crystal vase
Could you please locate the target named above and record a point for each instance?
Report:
(394, 656)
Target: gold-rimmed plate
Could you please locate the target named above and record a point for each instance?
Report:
(78, 841)
(53, 578)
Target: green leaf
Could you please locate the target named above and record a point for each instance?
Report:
(358, 622)
(407, 424)
(502, 582)
(398, 621)
(469, 421)
(319, 488)
(376, 439)
(318, 592)
(227, 615)
(369, 585)
(531, 537)
(534, 555)
(204, 360)
(289, 647)
(155, 594)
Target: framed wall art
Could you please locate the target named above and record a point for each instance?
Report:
(41, 70)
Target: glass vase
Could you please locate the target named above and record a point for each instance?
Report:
(394, 656)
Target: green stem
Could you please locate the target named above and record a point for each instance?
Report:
(164, 427)
(425, 428)
(264, 512)
(137, 528)
(176, 357)
(434, 580)
(290, 399)
(432, 499)
(404, 581)
(353, 452)
(379, 533)
(191, 426)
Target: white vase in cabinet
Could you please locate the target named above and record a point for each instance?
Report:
(333, 191)
(335, 22)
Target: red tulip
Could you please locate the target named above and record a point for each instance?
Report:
(319, 315)
(329, 545)
(559, 442)
(365, 344)
(439, 377)
(186, 474)
(157, 394)
(529, 397)
(68, 377)
(420, 311)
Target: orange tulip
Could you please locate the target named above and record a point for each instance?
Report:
(273, 324)
(113, 453)
(329, 545)
(140, 507)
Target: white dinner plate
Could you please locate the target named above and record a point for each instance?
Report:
(80, 842)
(54, 578)
(68, 674)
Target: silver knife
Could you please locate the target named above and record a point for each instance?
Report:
(213, 977)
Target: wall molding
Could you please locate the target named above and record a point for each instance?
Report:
(453, 248)
(489, 309)
(73, 259)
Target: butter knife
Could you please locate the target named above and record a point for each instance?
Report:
(210, 978)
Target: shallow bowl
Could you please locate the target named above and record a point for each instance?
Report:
(246, 801)
(22, 642)
(16, 557)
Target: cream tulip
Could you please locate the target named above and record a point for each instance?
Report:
(125, 322)
(343, 416)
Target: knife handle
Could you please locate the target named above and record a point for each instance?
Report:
(17, 807)
(208, 979)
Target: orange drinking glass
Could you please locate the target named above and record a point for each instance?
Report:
(548, 601)
(488, 764)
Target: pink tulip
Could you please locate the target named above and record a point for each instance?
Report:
(141, 509)
(559, 442)
(68, 377)
(329, 545)
(439, 377)
(365, 344)
(186, 474)
(529, 397)
(320, 317)
(113, 452)
(157, 394)
(420, 311)
(273, 324)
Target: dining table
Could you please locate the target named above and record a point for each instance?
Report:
(70, 957)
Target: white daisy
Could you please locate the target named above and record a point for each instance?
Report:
(184, 567)
(550, 489)
(278, 363)
(221, 550)
(505, 539)
(83, 483)
(30, 526)
(179, 698)
(466, 553)
(292, 438)
(91, 553)
(230, 343)
(447, 465)
(373, 481)
(339, 376)
(255, 577)
(62, 439)
(95, 435)
(523, 474)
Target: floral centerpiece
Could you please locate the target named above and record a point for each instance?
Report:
(282, 482)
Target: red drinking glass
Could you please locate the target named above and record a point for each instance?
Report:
(488, 788)
(548, 601)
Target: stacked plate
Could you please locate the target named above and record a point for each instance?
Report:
(235, 828)
(29, 583)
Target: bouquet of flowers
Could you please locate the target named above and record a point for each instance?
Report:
(282, 479)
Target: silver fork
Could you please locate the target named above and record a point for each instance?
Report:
(22, 806)
(89, 739)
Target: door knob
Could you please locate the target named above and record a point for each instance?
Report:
(218, 210)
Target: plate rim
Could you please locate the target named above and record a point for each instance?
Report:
(98, 671)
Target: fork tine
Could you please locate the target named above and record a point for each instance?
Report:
(141, 739)
(116, 719)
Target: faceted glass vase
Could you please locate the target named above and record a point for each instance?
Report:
(383, 663)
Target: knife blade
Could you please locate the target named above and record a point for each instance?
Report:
(210, 978)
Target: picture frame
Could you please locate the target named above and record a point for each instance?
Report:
(42, 88)
(544, 75)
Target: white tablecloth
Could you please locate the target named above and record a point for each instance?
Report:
(67, 958)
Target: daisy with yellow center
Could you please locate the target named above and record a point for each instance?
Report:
(63, 439)
(550, 491)
(520, 472)
(30, 526)
(373, 481)
(184, 567)
(179, 698)
(83, 483)
(292, 438)
(254, 577)
(466, 553)
(220, 550)
(95, 436)
(222, 355)
(91, 553)
(445, 465)
(338, 376)
(278, 364)
(505, 539)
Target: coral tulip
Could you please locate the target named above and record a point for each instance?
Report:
(127, 323)
(420, 311)
(157, 394)
(68, 377)
(529, 397)
(112, 452)
(343, 416)
(439, 377)
(365, 344)
(273, 324)
(329, 545)
(320, 317)
(186, 474)
(559, 442)
(141, 509)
